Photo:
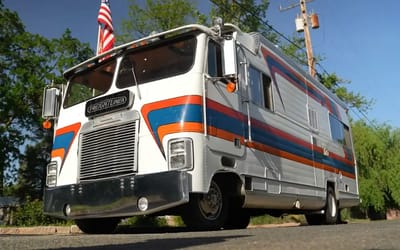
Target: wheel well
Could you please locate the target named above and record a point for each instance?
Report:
(230, 182)
(331, 184)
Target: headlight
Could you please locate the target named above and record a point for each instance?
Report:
(180, 153)
(51, 178)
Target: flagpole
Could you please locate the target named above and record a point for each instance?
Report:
(98, 40)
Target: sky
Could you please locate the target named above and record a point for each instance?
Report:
(358, 39)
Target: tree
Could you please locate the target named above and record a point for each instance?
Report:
(157, 15)
(378, 162)
(32, 169)
(27, 62)
(246, 14)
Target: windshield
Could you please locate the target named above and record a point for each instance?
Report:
(89, 83)
(165, 59)
(160, 59)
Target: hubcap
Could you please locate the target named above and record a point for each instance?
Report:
(333, 206)
(211, 203)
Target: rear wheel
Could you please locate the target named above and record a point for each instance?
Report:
(331, 208)
(330, 215)
(98, 226)
(207, 211)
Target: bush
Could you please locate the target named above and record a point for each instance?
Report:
(153, 221)
(145, 221)
(31, 214)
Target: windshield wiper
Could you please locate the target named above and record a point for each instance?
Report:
(136, 82)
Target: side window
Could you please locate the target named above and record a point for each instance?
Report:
(214, 62)
(260, 88)
(255, 86)
(347, 137)
(267, 91)
(340, 132)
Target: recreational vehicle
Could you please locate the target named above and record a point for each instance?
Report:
(209, 123)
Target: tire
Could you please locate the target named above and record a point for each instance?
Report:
(207, 211)
(98, 226)
(238, 218)
(331, 208)
(331, 211)
(314, 219)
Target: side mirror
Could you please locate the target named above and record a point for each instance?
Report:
(51, 102)
(229, 58)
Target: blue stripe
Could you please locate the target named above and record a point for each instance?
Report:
(174, 114)
(215, 118)
(271, 62)
(63, 141)
(224, 122)
(265, 137)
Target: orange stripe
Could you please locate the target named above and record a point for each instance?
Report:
(60, 152)
(179, 127)
(296, 158)
(71, 128)
(189, 99)
(223, 134)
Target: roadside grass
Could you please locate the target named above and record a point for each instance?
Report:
(268, 219)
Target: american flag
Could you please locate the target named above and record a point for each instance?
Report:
(106, 35)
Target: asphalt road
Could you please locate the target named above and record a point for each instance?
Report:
(382, 235)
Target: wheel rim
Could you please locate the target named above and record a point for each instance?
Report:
(211, 203)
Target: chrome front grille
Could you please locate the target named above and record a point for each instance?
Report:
(108, 152)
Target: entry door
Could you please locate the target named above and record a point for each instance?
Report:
(225, 120)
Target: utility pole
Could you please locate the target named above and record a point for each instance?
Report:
(302, 24)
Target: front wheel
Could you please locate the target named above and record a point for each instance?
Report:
(238, 217)
(207, 211)
(98, 226)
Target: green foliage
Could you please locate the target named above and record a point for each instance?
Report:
(352, 99)
(32, 171)
(268, 219)
(157, 15)
(145, 221)
(27, 62)
(31, 214)
(248, 15)
(377, 151)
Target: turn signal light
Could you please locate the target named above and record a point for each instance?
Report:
(231, 87)
(47, 124)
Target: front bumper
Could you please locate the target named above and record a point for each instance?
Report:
(117, 197)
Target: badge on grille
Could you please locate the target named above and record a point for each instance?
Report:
(107, 104)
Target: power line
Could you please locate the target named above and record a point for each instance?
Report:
(265, 22)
